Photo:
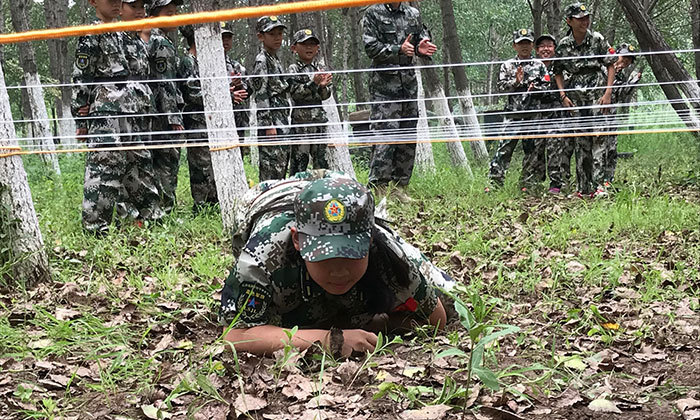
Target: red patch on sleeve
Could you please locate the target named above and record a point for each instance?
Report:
(611, 50)
(409, 306)
(547, 78)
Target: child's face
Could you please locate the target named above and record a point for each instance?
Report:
(107, 9)
(546, 49)
(133, 11)
(168, 10)
(523, 48)
(227, 39)
(272, 40)
(337, 275)
(622, 63)
(306, 50)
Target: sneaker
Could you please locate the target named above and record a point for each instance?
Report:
(487, 190)
(555, 191)
(523, 189)
(599, 193)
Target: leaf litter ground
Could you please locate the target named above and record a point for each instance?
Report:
(605, 294)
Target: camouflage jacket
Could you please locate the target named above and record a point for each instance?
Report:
(304, 92)
(137, 55)
(164, 65)
(585, 73)
(191, 90)
(385, 30)
(549, 96)
(241, 111)
(100, 62)
(270, 91)
(535, 78)
(270, 285)
(625, 85)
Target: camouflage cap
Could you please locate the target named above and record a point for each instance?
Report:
(542, 37)
(576, 10)
(268, 23)
(152, 5)
(334, 218)
(304, 35)
(523, 35)
(627, 50)
(226, 28)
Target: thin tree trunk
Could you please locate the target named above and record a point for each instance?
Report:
(554, 18)
(2, 30)
(359, 85)
(454, 54)
(695, 29)
(19, 14)
(19, 225)
(666, 67)
(229, 173)
(536, 8)
(425, 161)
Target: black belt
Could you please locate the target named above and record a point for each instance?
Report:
(120, 79)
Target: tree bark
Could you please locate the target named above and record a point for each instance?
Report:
(56, 13)
(358, 82)
(434, 91)
(666, 67)
(2, 30)
(554, 17)
(19, 14)
(229, 173)
(19, 225)
(695, 29)
(454, 54)
(425, 160)
(537, 9)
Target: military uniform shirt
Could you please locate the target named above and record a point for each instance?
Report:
(241, 109)
(270, 91)
(164, 66)
(534, 79)
(191, 89)
(585, 73)
(304, 92)
(271, 286)
(385, 30)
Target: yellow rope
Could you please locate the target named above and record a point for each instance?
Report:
(185, 19)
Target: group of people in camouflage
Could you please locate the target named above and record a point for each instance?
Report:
(581, 72)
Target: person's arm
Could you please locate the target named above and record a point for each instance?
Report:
(83, 75)
(260, 85)
(302, 87)
(376, 49)
(607, 96)
(565, 101)
(507, 78)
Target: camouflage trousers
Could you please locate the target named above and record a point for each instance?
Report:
(393, 162)
(589, 150)
(202, 182)
(300, 153)
(273, 160)
(118, 182)
(166, 163)
(534, 169)
(559, 152)
(609, 149)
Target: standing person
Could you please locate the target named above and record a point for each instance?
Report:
(558, 149)
(164, 63)
(307, 92)
(101, 92)
(520, 77)
(586, 90)
(393, 35)
(626, 79)
(312, 255)
(239, 85)
(271, 98)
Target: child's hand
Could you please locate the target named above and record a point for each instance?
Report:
(236, 80)
(358, 340)
(176, 127)
(519, 75)
(407, 47)
(425, 47)
(240, 96)
(80, 133)
(271, 132)
(84, 110)
(323, 79)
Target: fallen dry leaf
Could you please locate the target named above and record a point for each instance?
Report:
(601, 405)
(687, 403)
(298, 387)
(216, 411)
(431, 412)
(575, 267)
(247, 403)
(66, 314)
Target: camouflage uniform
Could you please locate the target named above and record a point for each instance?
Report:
(202, 182)
(118, 181)
(385, 30)
(271, 95)
(305, 93)
(240, 111)
(271, 286)
(587, 83)
(164, 65)
(521, 108)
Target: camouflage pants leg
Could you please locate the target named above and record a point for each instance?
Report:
(141, 181)
(273, 159)
(202, 182)
(300, 154)
(501, 160)
(584, 155)
(534, 165)
(166, 163)
(599, 148)
(559, 153)
(611, 159)
(393, 162)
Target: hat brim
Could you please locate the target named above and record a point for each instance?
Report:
(580, 15)
(272, 26)
(354, 246)
(226, 32)
(306, 38)
(523, 38)
(544, 37)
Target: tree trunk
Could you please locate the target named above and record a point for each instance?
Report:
(56, 12)
(434, 91)
(19, 13)
(2, 30)
(554, 18)
(695, 29)
(536, 8)
(359, 85)
(454, 54)
(425, 161)
(666, 67)
(229, 173)
(19, 225)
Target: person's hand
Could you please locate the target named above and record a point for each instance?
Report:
(80, 134)
(407, 48)
(271, 132)
(358, 340)
(176, 127)
(84, 110)
(240, 96)
(568, 103)
(425, 47)
(236, 80)
(605, 100)
(318, 78)
(324, 79)
(519, 75)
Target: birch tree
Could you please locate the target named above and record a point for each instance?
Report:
(425, 160)
(22, 245)
(42, 131)
(229, 173)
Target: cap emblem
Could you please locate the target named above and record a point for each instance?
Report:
(523, 32)
(223, 24)
(308, 32)
(273, 18)
(583, 8)
(334, 212)
(631, 48)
